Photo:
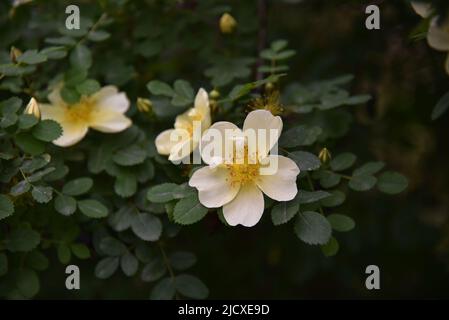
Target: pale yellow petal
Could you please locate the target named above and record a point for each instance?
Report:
(438, 36)
(281, 185)
(246, 208)
(53, 112)
(71, 134)
(55, 96)
(216, 142)
(163, 142)
(181, 150)
(108, 98)
(265, 128)
(214, 187)
(421, 8)
(109, 121)
(202, 102)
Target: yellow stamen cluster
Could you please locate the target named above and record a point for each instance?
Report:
(80, 112)
(268, 102)
(245, 172)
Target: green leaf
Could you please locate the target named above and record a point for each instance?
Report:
(3, 264)
(37, 260)
(78, 186)
(112, 246)
(330, 248)
(335, 199)
(31, 57)
(74, 76)
(39, 174)
(160, 88)
(6, 207)
(392, 182)
(161, 193)
(8, 120)
(129, 264)
(343, 161)
(27, 283)
(153, 270)
(329, 179)
(122, 218)
(284, 212)
(306, 161)
(278, 45)
(11, 105)
(369, 168)
(106, 267)
(163, 290)
(183, 93)
(47, 130)
(54, 52)
(22, 240)
(20, 188)
(65, 205)
(80, 250)
(70, 95)
(125, 185)
(359, 99)
(88, 87)
(189, 210)
(29, 166)
(130, 156)
(313, 228)
(27, 121)
(42, 194)
(81, 57)
(305, 197)
(191, 287)
(28, 144)
(92, 208)
(98, 35)
(441, 107)
(64, 253)
(362, 183)
(300, 136)
(182, 260)
(340, 222)
(146, 226)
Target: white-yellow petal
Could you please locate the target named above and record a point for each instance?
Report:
(55, 96)
(246, 208)
(53, 112)
(163, 142)
(214, 187)
(264, 126)
(71, 134)
(109, 121)
(438, 36)
(108, 98)
(280, 186)
(214, 140)
(202, 102)
(421, 8)
(181, 150)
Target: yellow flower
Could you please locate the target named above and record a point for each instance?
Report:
(269, 102)
(227, 23)
(237, 178)
(102, 111)
(33, 108)
(181, 141)
(438, 38)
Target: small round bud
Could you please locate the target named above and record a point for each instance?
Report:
(269, 86)
(227, 23)
(144, 105)
(33, 108)
(324, 155)
(214, 94)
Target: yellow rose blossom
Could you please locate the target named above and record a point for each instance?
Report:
(181, 141)
(239, 186)
(102, 111)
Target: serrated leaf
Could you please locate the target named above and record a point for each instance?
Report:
(329, 179)
(130, 156)
(122, 218)
(163, 290)
(392, 182)
(284, 212)
(154, 270)
(369, 168)
(313, 228)
(343, 161)
(22, 240)
(330, 248)
(335, 199)
(125, 185)
(146, 226)
(183, 94)
(189, 210)
(47, 130)
(362, 182)
(182, 260)
(31, 57)
(29, 144)
(78, 186)
(6, 207)
(305, 161)
(191, 287)
(88, 87)
(106, 267)
(161, 193)
(305, 197)
(129, 264)
(340, 222)
(42, 194)
(80, 250)
(300, 136)
(157, 87)
(27, 121)
(112, 246)
(18, 189)
(92, 208)
(81, 57)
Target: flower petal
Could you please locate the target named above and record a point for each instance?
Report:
(422, 9)
(181, 149)
(202, 102)
(71, 133)
(246, 208)
(280, 186)
(264, 126)
(55, 96)
(214, 187)
(109, 121)
(213, 142)
(163, 142)
(53, 112)
(438, 36)
(108, 98)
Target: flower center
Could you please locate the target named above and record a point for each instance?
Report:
(245, 172)
(80, 112)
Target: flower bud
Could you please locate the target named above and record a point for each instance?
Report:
(324, 155)
(14, 53)
(144, 105)
(227, 23)
(33, 108)
(214, 94)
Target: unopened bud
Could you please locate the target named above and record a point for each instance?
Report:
(14, 53)
(33, 108)
(269, 86)
(144, 105)
(214, 94)
(324, 155)
(227, 23)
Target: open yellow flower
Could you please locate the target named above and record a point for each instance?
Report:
(237, 177)
(422, 9)
(438, 38)
(181, 141)
(102, 111)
